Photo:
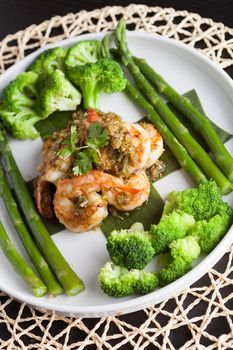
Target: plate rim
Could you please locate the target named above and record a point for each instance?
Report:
(169, 291)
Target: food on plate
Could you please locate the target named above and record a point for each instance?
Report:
(179, 260)
(56, 93)
(93, 79)
(199, 121)
(98, 163)
(172, 226)
(98, 160)
(119, 282)
(30, 98)
(37, 287)
(198, 154)
(49, 61)
(132, 249)
(47, 276)
(69, 280)
(193, 222)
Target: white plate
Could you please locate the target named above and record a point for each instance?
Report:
(185, 69)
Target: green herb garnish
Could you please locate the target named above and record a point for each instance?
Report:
(70, 143)
(87, 154)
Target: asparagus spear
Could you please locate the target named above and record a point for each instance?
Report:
(199, 121)
(195, 150)
(177, 149)
(70, 282)
(41, 265)
(20, 265)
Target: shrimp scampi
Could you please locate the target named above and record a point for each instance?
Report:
(78, 204)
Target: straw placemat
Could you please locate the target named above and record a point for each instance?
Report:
(200, 317)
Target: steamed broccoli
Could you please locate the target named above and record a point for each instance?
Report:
(179, 261)
(202, 202)
(22, 91)
(118, 281)
(170, 227)
(57, 93)
(19, 107)
(83, 52)
(209, 233)
(130, 249)
(94, 78)
(49, 60)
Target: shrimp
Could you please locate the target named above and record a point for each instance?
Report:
(77, 203)
(156, 148)
(126, 195)
(53, 167)
(138, 145)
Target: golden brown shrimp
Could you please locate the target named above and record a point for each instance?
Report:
(138, 146)
(77, 203)
(156, 149)
(126, 195)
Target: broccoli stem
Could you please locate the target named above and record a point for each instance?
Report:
(41, 265)
(20, 266)
(199, 121)
(197, 153)
(70, 282)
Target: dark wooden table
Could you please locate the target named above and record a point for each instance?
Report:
(18, 14)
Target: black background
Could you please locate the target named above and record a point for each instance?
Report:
(18, 14)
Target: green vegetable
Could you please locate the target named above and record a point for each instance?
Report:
(209, 233)
(94, 78)
(199, 120)
(20, 266)
(117, 281)
(202, 202)
(49, 61)
(41, 265)
(171, 272)
(18, 109)
(97, 138)
(71, 283)
(197, 153)
(83, 52)
(70, 144)
(186, 248)
(170, 227)
(130, 249)
(179, 261)
(56, 93)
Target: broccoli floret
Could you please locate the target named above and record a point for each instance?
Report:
(130, 249)
(57, 93)
(19, 107)
(21, 124)
(82, 53)
(49, 60)
(202, 202)
(94, 78)
(186, 248)
(179, 261)
(209, 233)
(22, 91)
(176, 269)
(170, 227)
(118, 281)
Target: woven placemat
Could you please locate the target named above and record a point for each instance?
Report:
(201, 316)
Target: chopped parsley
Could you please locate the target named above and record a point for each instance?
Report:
(88, 154)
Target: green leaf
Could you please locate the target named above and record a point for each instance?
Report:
(73, 138)
(64, 152)
(98, 135)
(82, 163)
